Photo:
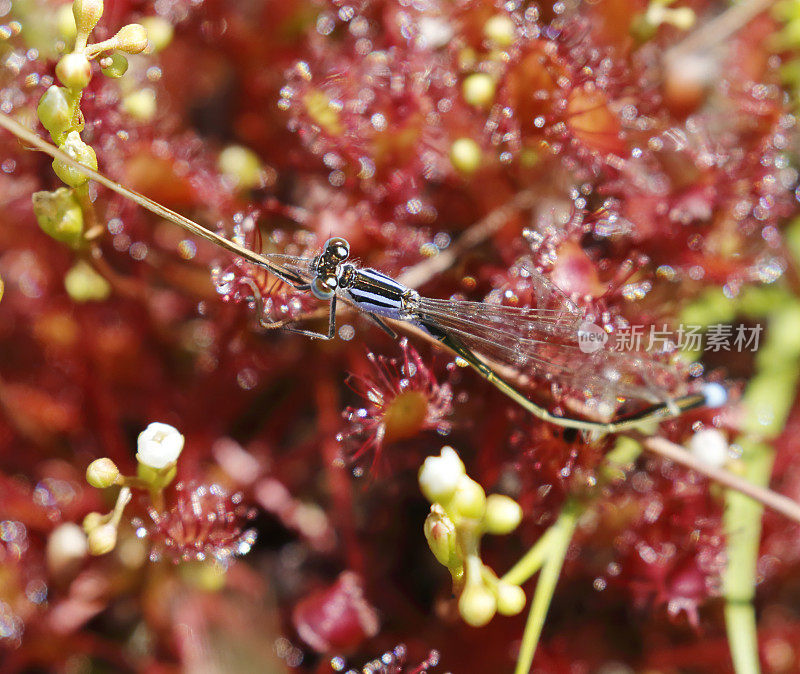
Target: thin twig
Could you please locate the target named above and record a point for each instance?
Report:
(779, 503)
(718, 30)
(476, 234)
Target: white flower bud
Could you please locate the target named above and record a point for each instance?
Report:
(92, 521)
(434, 31)
(159, 445)
(710, 446)
(66, 549)
(500, 29)
(159, 32)
(465, 155)
(439, 475)
(478, 89)
(469, 499)
(102, 539)
(510, 598)
(503, 514)
(477, 605)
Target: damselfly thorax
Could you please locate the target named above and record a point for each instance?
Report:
(540, 341)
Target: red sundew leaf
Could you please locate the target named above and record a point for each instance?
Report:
(202, 522)
(37, 413)
(156, 177)
(592, 123)
(612, 20)
(16, 503)
(575, 273)
(531, 85)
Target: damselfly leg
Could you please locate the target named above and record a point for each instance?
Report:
(540, 341)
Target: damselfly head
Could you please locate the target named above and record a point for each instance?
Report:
(337, 249)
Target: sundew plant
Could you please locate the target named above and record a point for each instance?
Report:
(556, 426)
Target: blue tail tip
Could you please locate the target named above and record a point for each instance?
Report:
(716, 395)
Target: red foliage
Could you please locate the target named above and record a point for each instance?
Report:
(648, 186)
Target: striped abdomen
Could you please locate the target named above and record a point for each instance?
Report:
(376, 293)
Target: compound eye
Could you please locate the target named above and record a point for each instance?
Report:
(338, 248)
(321, 288)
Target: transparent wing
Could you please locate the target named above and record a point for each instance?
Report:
(295, 269)
(541, 343)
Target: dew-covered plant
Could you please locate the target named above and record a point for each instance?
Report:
(641, 155)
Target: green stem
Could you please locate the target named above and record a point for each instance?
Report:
(532, 561)
(558, 544)
(123, 498)
(157, 498)
(742, 631)
(742, 525)
(766, 404)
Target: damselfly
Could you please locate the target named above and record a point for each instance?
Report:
(541, 343)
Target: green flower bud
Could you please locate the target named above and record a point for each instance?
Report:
(65, 23)
(322, 111)
(102, 473)
(469, 499)
(159, 32)
(84, 284)
(87, 13)
(642, 28)
(478, 89)
(240, 164)
(131, 38)
(93, 520)
(510, 598)
(477, 605)
(102, 539)
(503, 514)
(141, 104)
(440, 532)
(465, 155)
(59, 215)
(80, 152)
(74, 71)
(114, 66)
(55, 110)
(500, 30)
